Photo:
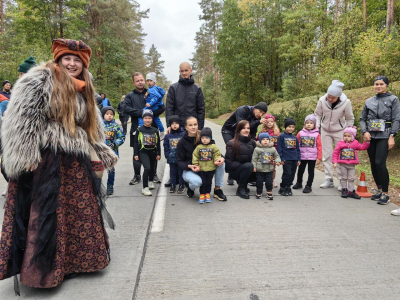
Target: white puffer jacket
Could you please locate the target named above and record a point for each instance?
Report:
(336, 119)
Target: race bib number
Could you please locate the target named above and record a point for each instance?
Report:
(307, 142)
(149, 140)
(290, 143)
(347, 154)
(206, 154)
(173, 143)
(266, 158)
(273, 139)
(376, 125)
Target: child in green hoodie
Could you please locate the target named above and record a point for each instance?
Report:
(264, 158)
(205, 155)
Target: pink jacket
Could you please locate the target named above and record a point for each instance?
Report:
(355, 145)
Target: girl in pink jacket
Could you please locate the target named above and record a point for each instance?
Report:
(345, 154)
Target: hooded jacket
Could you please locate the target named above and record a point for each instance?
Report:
(246, 149)
(263, 154)
(154, 97)
(184, 151)
(205, 156)
(342, 145)
(336, 119)
(244, 112)
(185, 99)
(288, 147)
(310, 144)
(171, 141)
(381, 106)
(114, 135)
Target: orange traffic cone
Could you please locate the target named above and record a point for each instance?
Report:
(362, 187)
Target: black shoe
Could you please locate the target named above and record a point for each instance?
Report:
(289, 191)
(345, 193)
(190, 193)
(219, 194)
(269, 196)
(285, 192)
(252, 184)
(247, 190)
(377, 196)
(230, 182)
(307, 189)
(168, 184)
(135, 180)
(181, 189)
(384, 199)
(353, 195)
(156, 179)
(258, 196)
(297, 186)
(242, 193)
(172, 189)
(281, 191)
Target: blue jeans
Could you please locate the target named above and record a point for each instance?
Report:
(194, 180)
(111, 177)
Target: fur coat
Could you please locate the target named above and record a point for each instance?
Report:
(28, 127)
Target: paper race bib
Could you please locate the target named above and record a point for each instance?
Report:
(266, 158)
(290, 143)
(347, 154)
(376, 125)
(307, 142)
(206, 154)
(149, 140)
(273, 139)
(173, 143)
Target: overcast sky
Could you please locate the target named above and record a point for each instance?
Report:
(171, 27)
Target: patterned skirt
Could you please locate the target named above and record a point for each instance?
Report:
(53, 223)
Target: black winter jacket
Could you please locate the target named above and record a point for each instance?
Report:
(244, 112)
(246, 149)
(184, 151)
(185, 99)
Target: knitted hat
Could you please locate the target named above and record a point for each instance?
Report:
(3, 106)
(61, 47)
(268, 116)
(152, 76)
(262, 106)
(335, 88)
(147, 113)
(263, 135)
(383, 78)
(172, 119)
(5, 82)
(27, 64)
(289, 121)
(311, 118)
(206, 131)
(352, 131)
(105, 109)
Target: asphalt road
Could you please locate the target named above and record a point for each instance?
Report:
(308, 246)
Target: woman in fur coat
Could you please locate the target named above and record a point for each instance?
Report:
(54, 155)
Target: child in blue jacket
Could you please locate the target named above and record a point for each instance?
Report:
(114, 138)
(170, 143)
(289, 151)
(154, 101)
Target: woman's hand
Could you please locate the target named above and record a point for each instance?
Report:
(158, 157)
(367, 137)
(391, 142)
(136, 158)
(219, 162)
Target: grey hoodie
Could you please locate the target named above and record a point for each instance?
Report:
(336, 119)
(381, 106)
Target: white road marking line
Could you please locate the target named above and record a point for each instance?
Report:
(161, 202)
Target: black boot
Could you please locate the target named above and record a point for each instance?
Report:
(297, 186)
(241, 192)
(281, 191)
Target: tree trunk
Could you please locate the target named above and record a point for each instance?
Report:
(2, 16)
(390, 7)
(60, 6)
(336, 11)
(365, 14)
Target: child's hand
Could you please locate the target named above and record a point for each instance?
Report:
(298, 163)
(335, 165)
(136, 158)
(283, 163)
(278, 164)
(158, 157)
(318, 161)
(147, 104)
(255, 170)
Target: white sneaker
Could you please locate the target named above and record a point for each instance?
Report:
(327, 184)
(396, 212)
(162, 135)
(339, 187)
(4, 193)
(146, 192)
(151, 185)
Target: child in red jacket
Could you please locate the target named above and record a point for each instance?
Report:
(345, 154)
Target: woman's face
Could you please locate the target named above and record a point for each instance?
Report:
(246, 130)
(73, 64)
(380, 87)
(7, 86)
(331, 99)
(192, 127)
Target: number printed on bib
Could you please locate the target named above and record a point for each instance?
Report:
(266, 158)
(206, 154)
(307, 142)
(290, 143)
(149, 140)
(173, 143)
(376, 125)
(273, 139)
(347, 154)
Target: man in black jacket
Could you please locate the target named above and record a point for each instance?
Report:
(133, 106)
(185, 98)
